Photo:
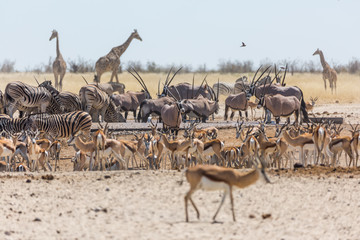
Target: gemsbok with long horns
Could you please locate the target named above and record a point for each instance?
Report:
(130, 100)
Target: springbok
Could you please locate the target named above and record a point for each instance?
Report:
(310, 105)
(210, 178)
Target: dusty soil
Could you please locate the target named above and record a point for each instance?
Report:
(306, 203)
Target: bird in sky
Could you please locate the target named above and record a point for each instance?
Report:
(243, 44)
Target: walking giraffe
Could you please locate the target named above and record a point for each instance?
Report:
(328, 72)
(59, 65)
(111, 61)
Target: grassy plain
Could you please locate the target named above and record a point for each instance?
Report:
(312, 84)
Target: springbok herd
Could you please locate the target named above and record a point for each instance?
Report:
(48, 115)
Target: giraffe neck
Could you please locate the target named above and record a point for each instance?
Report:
(57, 47)
(122, 48)
(322, 60)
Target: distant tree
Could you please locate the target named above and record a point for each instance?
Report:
(7, 66)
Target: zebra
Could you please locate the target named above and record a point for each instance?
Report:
(93, 98)
(224, 88)
(15, 125)
(68, 101)
(231, 88)
(112, 113)
(63, 125)
(20, 94)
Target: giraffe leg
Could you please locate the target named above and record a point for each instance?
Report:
(61, 79)
(324, 78)
(56, 80)
(114, 74)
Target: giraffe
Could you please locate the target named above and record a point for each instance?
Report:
(59, 65)
(328, 72)
(111, 61)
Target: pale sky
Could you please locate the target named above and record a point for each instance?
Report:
(180, 32)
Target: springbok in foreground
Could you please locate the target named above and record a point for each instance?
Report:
(211, 177)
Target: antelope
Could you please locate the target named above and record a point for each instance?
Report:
(250, 147)
(85, 147)
(7, 149)
(37, 155)
(208, 177)
(81, 161)
(320, 136)
(338, 144)
(310, 105)
(152, 106)
(175, 147)
(355, 143)
(301, 142)
(236, 102)
(186, 90)
(273, 89)
(99, 140)
(171, 116)
(214, 147)
(267, 147)
(200, 107)
(196, 147)
(130, 101)
(132, 148)
(253, 105)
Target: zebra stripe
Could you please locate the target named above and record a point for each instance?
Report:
(63, 125)
(18, 93)
(224, 88)
(14, 125)
(68, 101)
(93, 98)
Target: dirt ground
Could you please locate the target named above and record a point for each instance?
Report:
(307, 203)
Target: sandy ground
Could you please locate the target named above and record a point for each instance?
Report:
(150, 205)
(311, 203)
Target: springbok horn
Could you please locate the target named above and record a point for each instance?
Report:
(282, 83)
(174, 76)
(37, 81)
(85, 80)
(275, 71)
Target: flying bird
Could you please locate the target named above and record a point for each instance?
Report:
(243, 44)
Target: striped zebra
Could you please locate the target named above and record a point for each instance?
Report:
(68, 101)
(95, 100)
(112, 114)
(224, 88)
(63, 125)
(21, 94)
(14, 125)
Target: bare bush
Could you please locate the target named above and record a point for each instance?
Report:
(7, 66)
(81, 66)
(235, 67)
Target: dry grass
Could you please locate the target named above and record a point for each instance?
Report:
(311, 84)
